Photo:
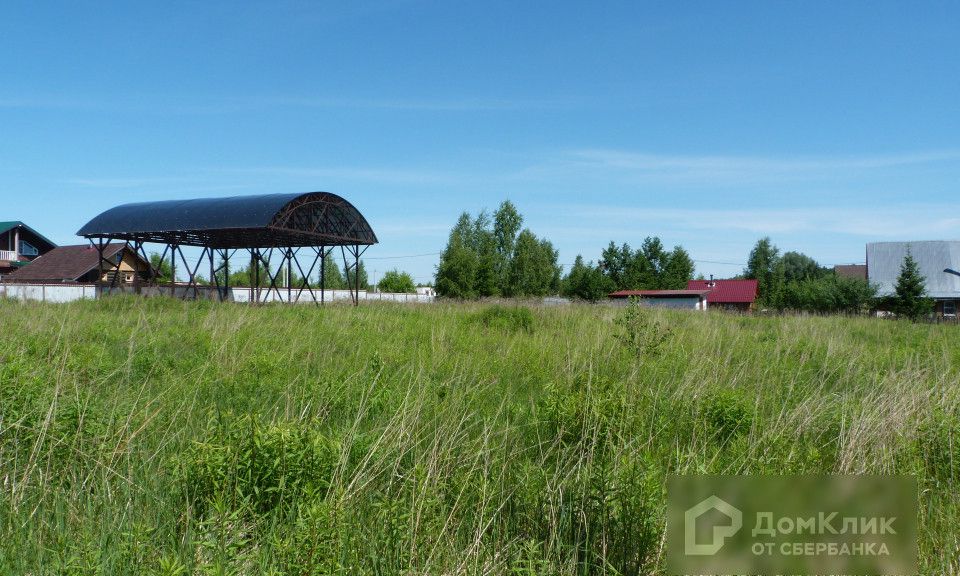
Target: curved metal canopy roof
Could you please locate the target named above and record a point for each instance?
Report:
(264, 221)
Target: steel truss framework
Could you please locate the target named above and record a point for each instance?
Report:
(292, 226)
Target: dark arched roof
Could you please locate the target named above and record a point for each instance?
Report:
(264, 221)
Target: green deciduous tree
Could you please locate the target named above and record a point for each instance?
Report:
(457, 271)
(649, 268)
(794, 281)
(161, 267)
(506, 225)
(829, 294)
(488, 281)
(677, 270)
(766, 266)
(651, 262)
(614, 261)
(854, 295)
(533, 269)
(396, 281)
(798, 266)
(244, 275)
(484, 257)
(586, 282)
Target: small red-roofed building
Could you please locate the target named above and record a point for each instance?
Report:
(732, 295)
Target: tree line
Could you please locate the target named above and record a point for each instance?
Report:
(795, 281)
(650, 267)
(491, 256)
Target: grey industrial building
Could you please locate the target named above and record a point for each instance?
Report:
(933, 257)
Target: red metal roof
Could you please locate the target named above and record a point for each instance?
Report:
(726, 291)
(658, 293)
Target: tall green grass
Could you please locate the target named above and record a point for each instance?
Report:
(160, 437)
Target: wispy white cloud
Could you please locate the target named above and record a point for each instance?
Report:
(438, 105)
(44, 102)
(642, 167)
(123, 183)
(902, 221)
(643, 161)
(167, 186)
(228, 104)
(231, 179)
(406, 229)
(363, 173)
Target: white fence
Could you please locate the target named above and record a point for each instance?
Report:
(74, 292)
(48, 292)
(311, 296)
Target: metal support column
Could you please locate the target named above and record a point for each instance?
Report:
(99, 247)
(226, 273)
(255, 273)
(356, 273)
(173, 270)
(213, 277)
(289, 275)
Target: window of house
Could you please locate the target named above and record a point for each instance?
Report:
(28, 249)
(950, 307)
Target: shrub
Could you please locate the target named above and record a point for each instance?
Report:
(728, 414)
(640, 332)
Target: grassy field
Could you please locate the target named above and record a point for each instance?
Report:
(159, 437)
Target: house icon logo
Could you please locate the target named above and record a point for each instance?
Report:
(720, 533)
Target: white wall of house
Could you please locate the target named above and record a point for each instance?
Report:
(687, 303)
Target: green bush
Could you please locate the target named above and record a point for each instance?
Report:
(728, 414)
(397, 282)
(640, 331)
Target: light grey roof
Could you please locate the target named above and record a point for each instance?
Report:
(885, 258)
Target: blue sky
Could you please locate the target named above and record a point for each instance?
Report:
(822, 125)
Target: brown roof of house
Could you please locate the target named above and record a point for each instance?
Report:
(63, 264)
(858, 271)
